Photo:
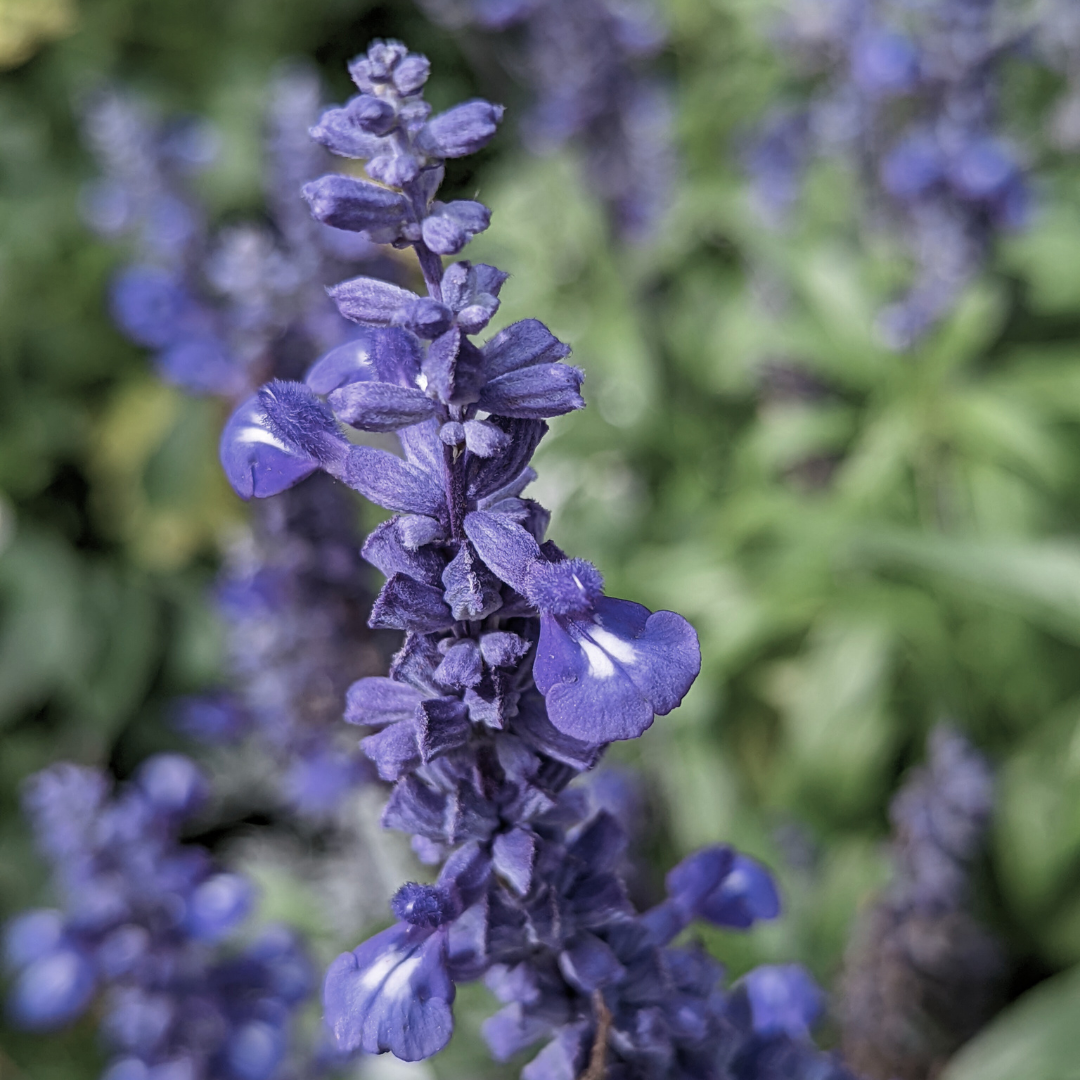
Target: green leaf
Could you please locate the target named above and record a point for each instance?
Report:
(1035, 1038)
(1037, 579)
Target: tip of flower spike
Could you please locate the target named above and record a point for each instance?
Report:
(390, 62)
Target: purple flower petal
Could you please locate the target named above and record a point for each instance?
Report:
(512, 1030)
(522, 344)
(418, 531)
(257, 462)
(405, 604)
(461, 667)
(255, 1050)
(411, 73)
(393, 750)
(217, 906)
(503, 649)
(604, 678)
(507, 473)
(338, 131)
(392, 993)
(202, 365)
(485, 440)
(747, 894)
(32, 935)
(784, 999)
(472, 591)
(450, 226)
(413, 807)
(514, 857)
(151, 306)
(372, 114)
(396, 354)
(601, 844)
(425, 317)
(386, 550)
(466, 874)
(394, 168)
(174, 784)
(423, 447)
(438, 726)
(587, 963)
(506, 548)
(698, 875)
(533, 726)
(563, 1058)
(453, 368)
(51, 991)
(346, 364)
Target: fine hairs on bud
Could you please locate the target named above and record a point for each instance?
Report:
(301, 420)
(564, 587)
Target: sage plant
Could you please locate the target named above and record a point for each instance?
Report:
(908, 94)
(922, 973)
(588, 67)
(222, 312)
(149, 928)
(516, 669)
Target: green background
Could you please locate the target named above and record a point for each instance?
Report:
(936, 575)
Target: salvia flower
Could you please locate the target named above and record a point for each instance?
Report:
(922, 974)
(586, 65)
(222, 312)
(148, 928)
(516, 670)
(908, 95)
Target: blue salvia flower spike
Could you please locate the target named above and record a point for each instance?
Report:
(148, 927)
(515, 673)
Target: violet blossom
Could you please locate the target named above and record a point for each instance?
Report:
(922, 973)
(908, 95)
(222, 312)
(516, 670)
(149, 928)
(587, 65)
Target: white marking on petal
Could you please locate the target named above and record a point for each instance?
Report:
(737, 880)
(397, 985)
(253, 433)
(380, 971)
(600, 665)
(618, 647)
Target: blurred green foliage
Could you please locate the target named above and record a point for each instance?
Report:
(894, 547)
(859, 562)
